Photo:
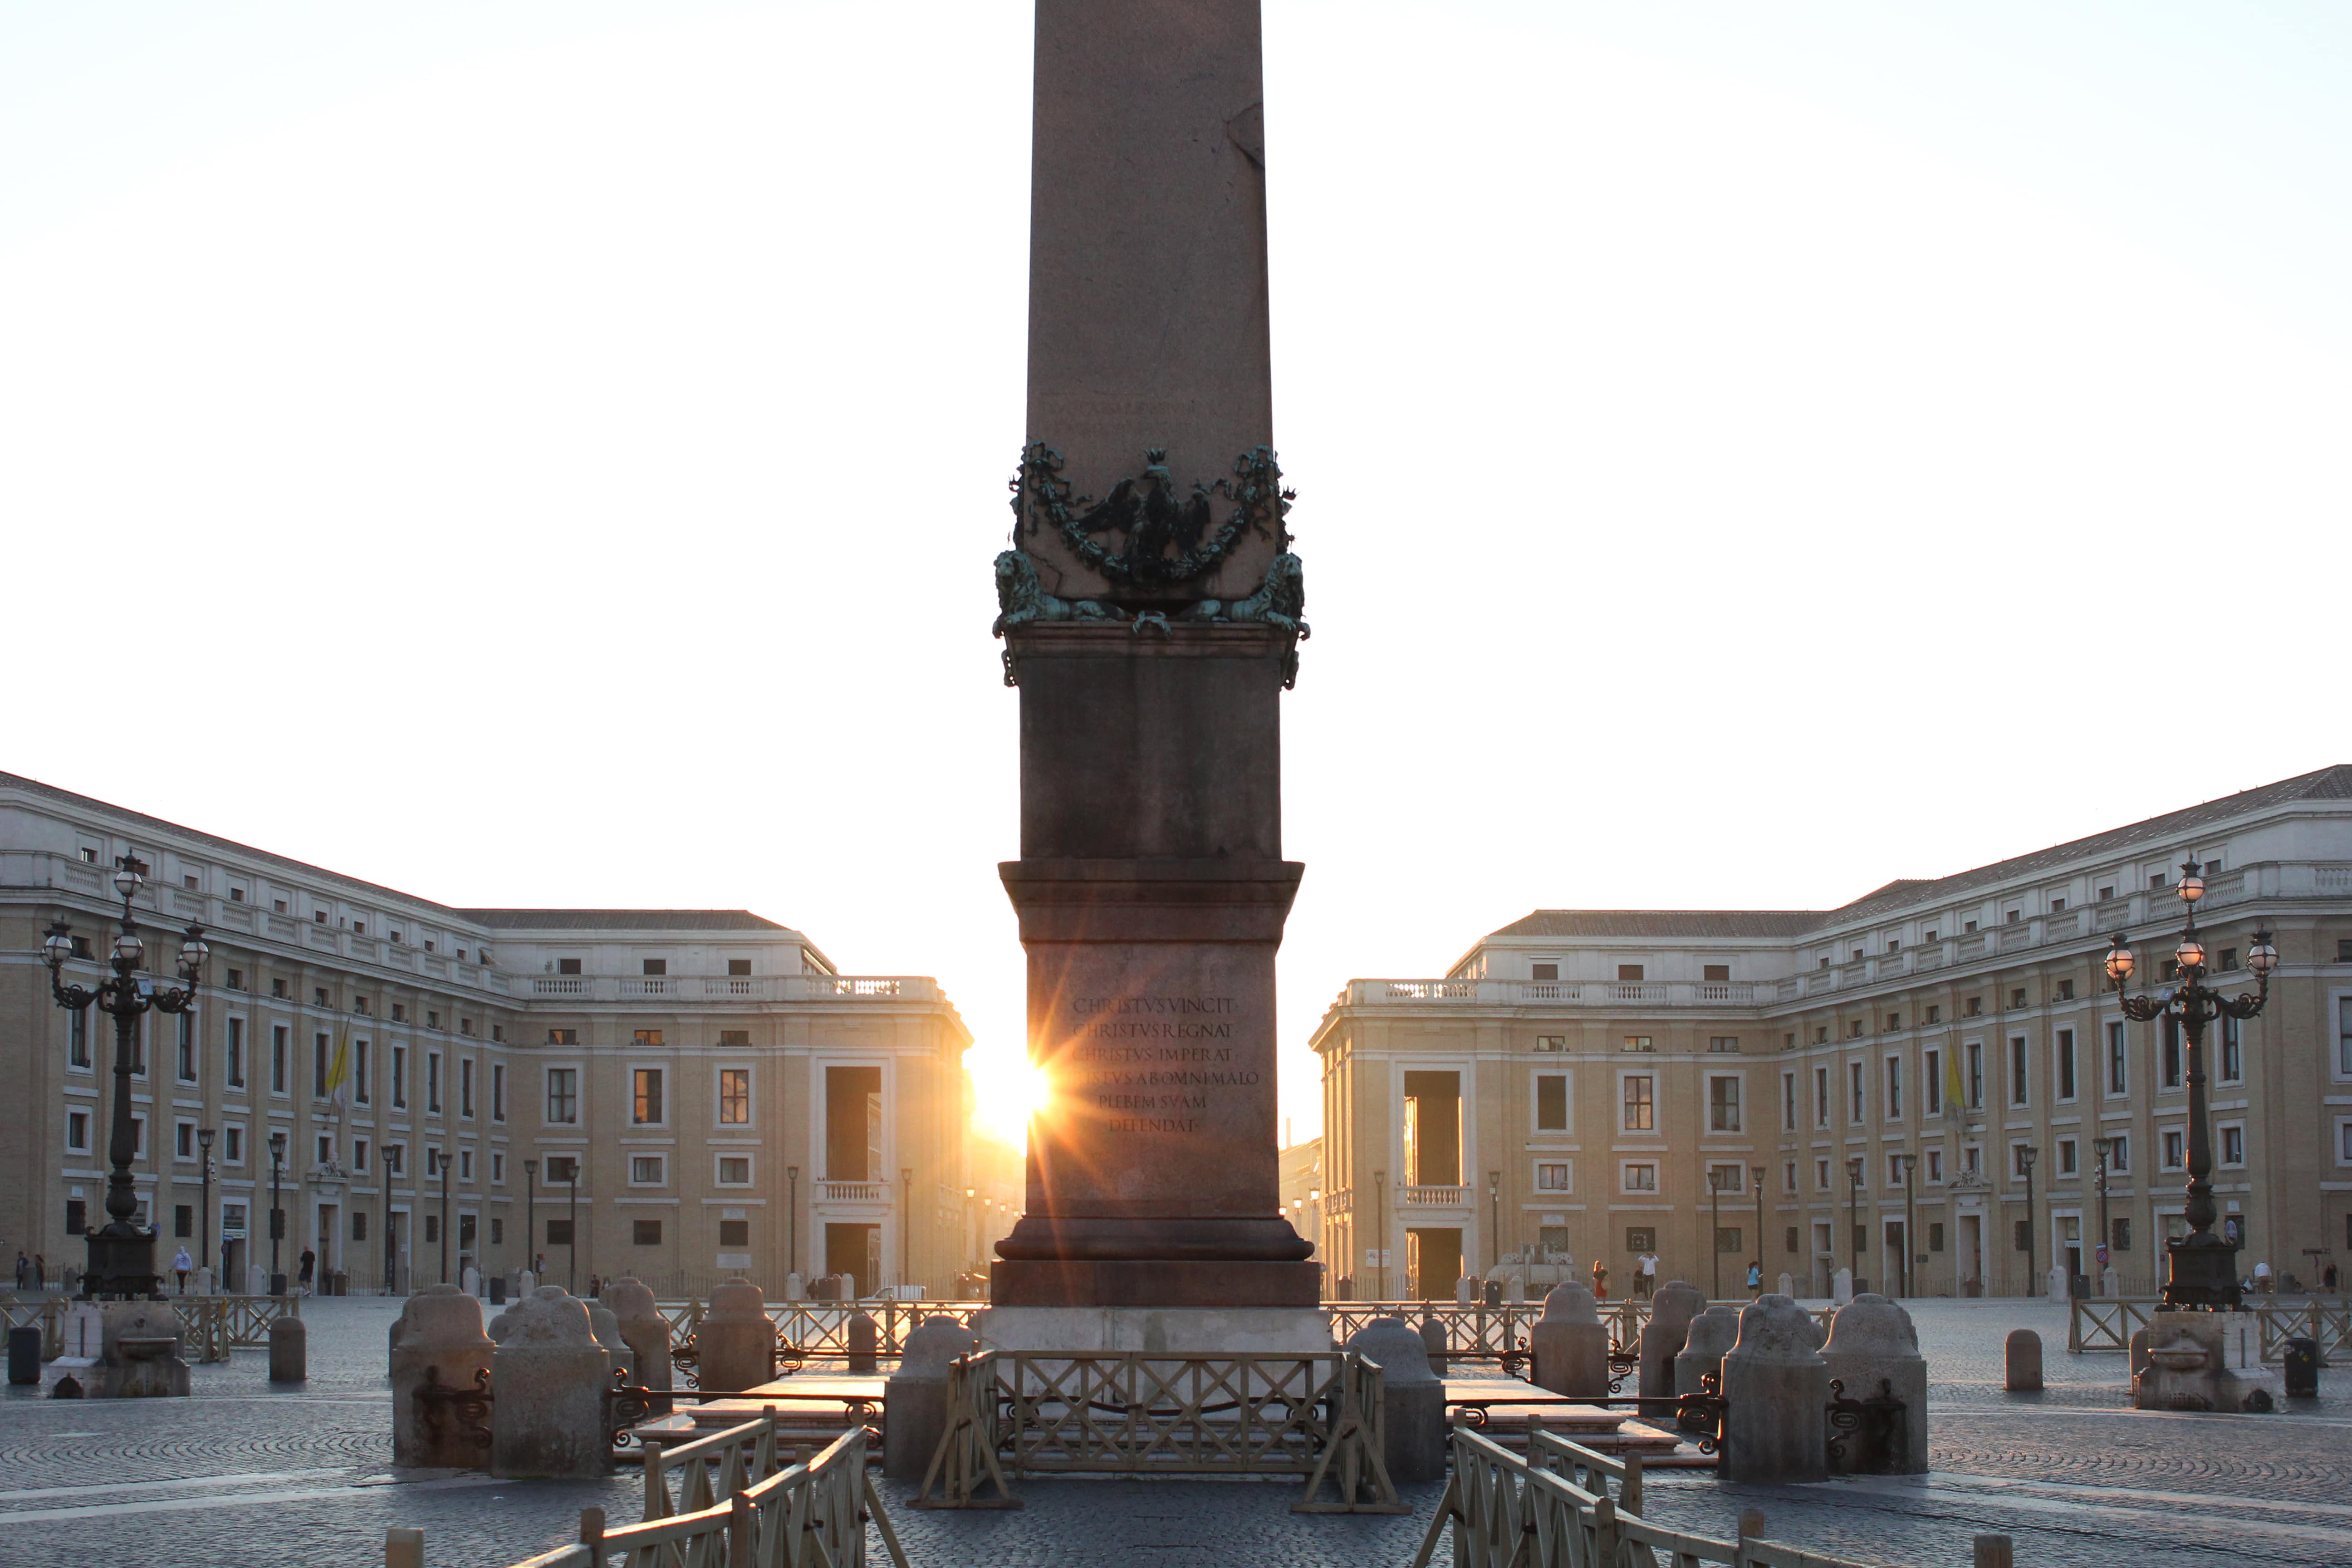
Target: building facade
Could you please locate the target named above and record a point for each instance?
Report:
(1861, 1087)
(683, 1095)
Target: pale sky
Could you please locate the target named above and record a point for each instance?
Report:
(548, 453)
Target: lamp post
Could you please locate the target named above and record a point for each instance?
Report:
(1854, 1221)
(906, 1227)
(530, 1218)
(1910, 1218)
(2026, 1155)
(971, 1211)
(122, 1256)
(1757, 1172)
(793, 1176)
(2101, 1147)
(204, 1228)
(572, 1251)
(1714, 1247)
(1494, 1208)
(276, 1214)
(1379, 1231)
(2201, 1267)
(438, 1161)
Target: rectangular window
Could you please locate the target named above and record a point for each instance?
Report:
(465, 1164)
(1788, 1102)
(1641, 1176)
(497, 1167)
(739, 967)
(2118, 1072)
(1722, 1104)
(2064, 1047)
(1853, 1084)
(1551, 1103)
(280, 1067)
(236, 1053)
(1895, 1089)
(1727, 1178)
(734, 1233)
(2017, 1159)
(399, 1077)
(359, 1156)
(183, 1140)
(184, 1048)
(1931, 1081)
(645, 1232)
(2068, 1163)
(2174, 1149)
(2119, 1157)
(1545, 972)
(2019, 1087)
(465, 1086)
(2234, 1144)
(1895, 1169)
(649, 1037)
(735, 1170)
(1935, 1164)
(562, 1170)
(1820, 1096)
(1821, 1175)
(562, 1037)
(1975, 1075)
(78, 1036)
(1788, 1175)
(1551, 1176)
(498, 1091)
(360, 1078)
(2233, 1049)
(1639, 1043)
(77, 1131)
(232, 1145)
(1723, 1044)
(645, 1097)
(735, 1097)
(657, 966)
(559, 1233)
(563, 1101)
(321, 1047)
(1641, 1107)
(184, 1219)
(1631, 972)
(2121, 1242)
(734, 1036)
(2169, 1063)
(433, 1083)
(1726, 1239)
(567, 966)
(646, 1170)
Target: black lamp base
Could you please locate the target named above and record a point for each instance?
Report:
(122, 1263)
(2203, 1274)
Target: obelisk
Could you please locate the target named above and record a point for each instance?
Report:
(1151, 611)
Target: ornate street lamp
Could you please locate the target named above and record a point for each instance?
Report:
(1715, 1244)
(122, 1256)
(2201, 1267)
(1853, 1222)
(1495, 1217)
(205, 1226)
(530, 1218)
(1757, 1172)
(1910, 1219)
(2102, 1147)
(792, 1175)
(277, 1215)
(2026, 1157)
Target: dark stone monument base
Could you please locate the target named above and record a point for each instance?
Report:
(1152, 1282)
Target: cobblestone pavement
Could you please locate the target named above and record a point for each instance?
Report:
(249, 1475)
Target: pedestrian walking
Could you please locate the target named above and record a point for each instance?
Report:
(1755, 1280)
(40, 1272)
(1600, 1281)
(23, 1271)
(310, 1269)
(181, 1264)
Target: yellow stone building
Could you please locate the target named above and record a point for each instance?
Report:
(679, 1094)
(1604, 1083)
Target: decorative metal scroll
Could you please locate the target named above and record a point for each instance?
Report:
(467, 1405)
(1876, 1423)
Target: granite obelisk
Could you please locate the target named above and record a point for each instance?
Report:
(1150, 608)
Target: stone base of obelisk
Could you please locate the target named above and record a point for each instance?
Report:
(1155, 1331)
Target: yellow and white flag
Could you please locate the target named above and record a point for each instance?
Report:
(338, 1066)
(1952, 1090)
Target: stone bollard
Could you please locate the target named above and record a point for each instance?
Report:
(1787, 1285)
(1413, 1401)
(1841, 1286)
(1993, 1552)
(24, 1354)
(548, 1378)
(525, 1283)
(1712, 1334)
(1662, 1336)
(737, 1342)
(289, 1350)
(257, 1280)
(438, 1335)
(403, 1547)
(864, 1337)
(1873, 1350)
(915, 1398)
(1776, 1391)
(607, 1329)
(1571, 1344)
(1432, 1344)
(646, 1334)
(2139, 1357)
(2023, 1359)
(795, 1287)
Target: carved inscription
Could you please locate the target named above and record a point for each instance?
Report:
(1149, 1064)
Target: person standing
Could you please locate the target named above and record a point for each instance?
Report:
(23, 1271)
(310, 1269)
(1646, 1281)
(2262, 1279)
(1755, 1279)
(40, 1272)
(181, 1264)
(1600, 1281)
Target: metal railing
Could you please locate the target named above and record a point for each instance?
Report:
(215, 1325)
(2108, 1323)
(821, 1328)
(1506, 1511)
(1473, 1330)
(1316, 1414)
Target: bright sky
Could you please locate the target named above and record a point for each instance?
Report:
(552, 453)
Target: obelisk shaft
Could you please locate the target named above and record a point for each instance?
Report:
(1151, 887)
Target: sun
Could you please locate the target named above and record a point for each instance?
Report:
(1006, 1091)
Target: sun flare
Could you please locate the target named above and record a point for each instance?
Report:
(1006, 1091)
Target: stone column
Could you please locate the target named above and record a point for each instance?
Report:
(1412, 1407)
(1872, 1348)
(646, 1334)
(1661, 1337)
(548, 1378)
(736, 1343)
(915, 1398)
(439, 1331)
(1776, 1389)
(1571, 1344)
(1712, 1334)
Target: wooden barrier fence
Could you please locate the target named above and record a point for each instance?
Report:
(2108, 1323)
